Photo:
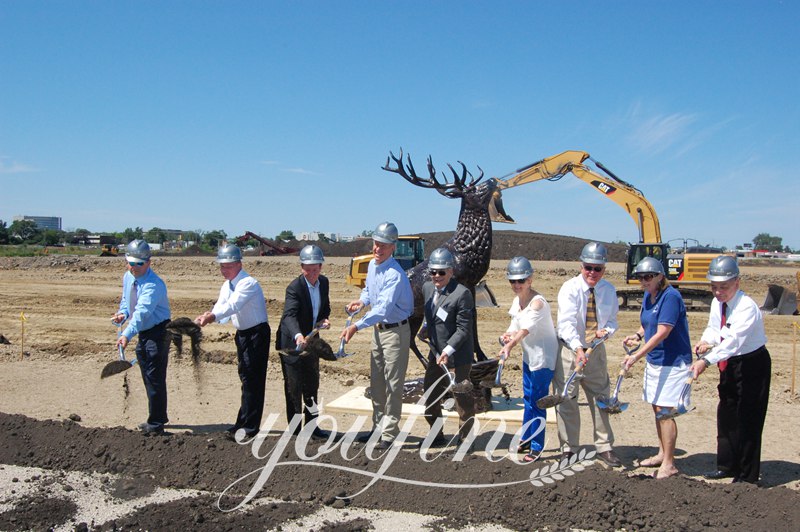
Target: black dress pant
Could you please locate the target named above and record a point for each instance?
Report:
(252, 349)
(465, 402)
(300, 386)
(743, 399)
(152, 355)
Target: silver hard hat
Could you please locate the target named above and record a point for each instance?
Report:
(386, 233)
(723, 268)
(229, 253)
(649, 265)
(594, 253)
(137, 250)
(519, 268)
(441, 259)
(311, 254)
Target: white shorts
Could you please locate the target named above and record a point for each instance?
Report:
(663, 384)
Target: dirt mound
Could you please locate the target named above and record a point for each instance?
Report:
(569, 496)
(505, 245)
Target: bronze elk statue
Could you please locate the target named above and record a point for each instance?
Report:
(471, 244)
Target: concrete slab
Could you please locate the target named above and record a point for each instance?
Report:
(354, 402)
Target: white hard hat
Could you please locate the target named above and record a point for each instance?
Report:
(229, 253)
(386, 233)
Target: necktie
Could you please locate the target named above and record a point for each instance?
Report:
(436, 297)
(722, 320)
(591, 317)
(133, 297)
(230, 283)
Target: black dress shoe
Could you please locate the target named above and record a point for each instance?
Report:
(383, 445)
(610, 458)
(718, 475)
(151, 428)
(320, 434)
(438, 441)
(363, 437)
(566, 455)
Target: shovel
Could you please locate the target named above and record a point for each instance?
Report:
(464, 386)
(670, 413)
(341, 353)
(117, 366)
(556, 399)
(496, 383)
(303, 352)
(612, 405)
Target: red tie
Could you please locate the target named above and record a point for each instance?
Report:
(723, 363)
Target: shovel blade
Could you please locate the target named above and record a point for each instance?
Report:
(549, 401)
(115, 367)
(672, 413)
(612, 408)
(464, 386)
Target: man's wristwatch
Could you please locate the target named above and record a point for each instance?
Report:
(705, 360)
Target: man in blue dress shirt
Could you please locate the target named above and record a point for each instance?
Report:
(389, 294)
(144, 303)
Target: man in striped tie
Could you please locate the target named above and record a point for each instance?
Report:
(587, 309)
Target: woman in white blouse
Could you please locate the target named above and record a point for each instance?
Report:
(532, 327)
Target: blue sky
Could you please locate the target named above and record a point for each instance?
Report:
(266, 116)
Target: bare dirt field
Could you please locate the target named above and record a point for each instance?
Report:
(96, 471)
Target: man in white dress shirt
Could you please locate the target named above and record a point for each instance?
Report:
(587, 309)
(735, 340)
(241, 301)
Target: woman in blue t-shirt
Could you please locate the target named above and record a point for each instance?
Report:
(665, 331)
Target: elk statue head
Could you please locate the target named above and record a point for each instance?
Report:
(471, 244)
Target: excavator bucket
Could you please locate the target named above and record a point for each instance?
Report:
(779, 301)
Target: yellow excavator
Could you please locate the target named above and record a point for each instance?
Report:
(686, 267)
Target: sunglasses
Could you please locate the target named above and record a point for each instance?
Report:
(438, 273)
(597, 269)
(136, 263)
(645, 276)
(517, 281)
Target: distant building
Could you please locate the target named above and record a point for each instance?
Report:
(42, 222)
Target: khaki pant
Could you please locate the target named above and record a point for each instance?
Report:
(595, 382)
(388, 365)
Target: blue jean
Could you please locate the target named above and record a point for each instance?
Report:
(535, 385)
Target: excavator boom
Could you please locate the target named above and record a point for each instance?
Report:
(620, 192)
(685, 268)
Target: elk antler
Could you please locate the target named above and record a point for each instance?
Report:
(448, 189)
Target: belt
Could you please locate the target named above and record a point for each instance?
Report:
(384, 326)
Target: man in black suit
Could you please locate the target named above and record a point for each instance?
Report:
(307, 306)
(449, 309)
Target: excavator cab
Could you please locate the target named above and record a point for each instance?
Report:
(636, 252)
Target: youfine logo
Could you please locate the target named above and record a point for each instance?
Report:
(343, 443)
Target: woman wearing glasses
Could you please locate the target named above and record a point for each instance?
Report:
(665, 332)
(532, 326)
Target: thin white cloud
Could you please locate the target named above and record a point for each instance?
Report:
(291, 170)
(9, 166)
(300, 171)
(656, 133)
